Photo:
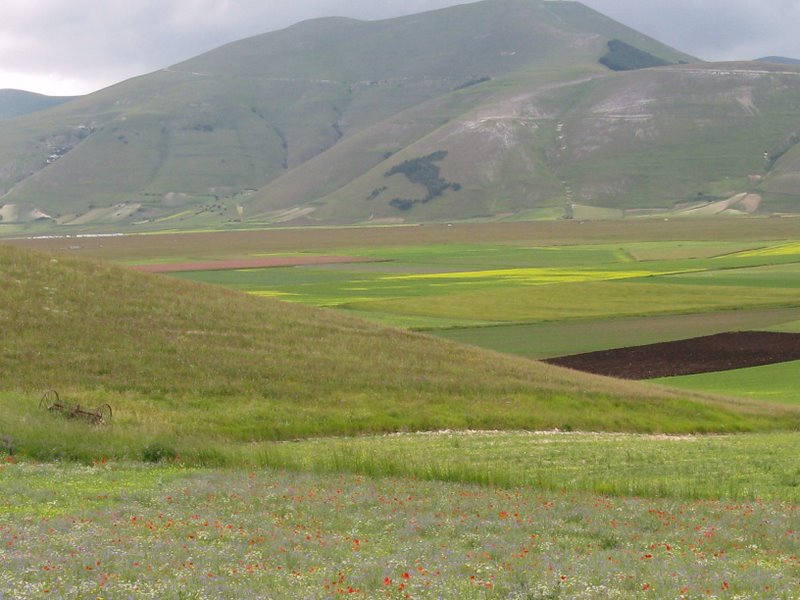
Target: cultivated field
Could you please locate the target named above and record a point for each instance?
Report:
(649, 281)
(270, 449)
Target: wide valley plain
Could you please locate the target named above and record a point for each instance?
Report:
(272, 437)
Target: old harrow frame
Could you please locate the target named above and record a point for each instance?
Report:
(96, 416)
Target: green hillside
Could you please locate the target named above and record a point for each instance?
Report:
(14, 103)
(208, 372)
(193, 142)
(682, 140)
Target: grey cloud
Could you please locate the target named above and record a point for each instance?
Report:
(104, 41)
(714, 29)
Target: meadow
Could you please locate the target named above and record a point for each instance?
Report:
(287, 449)
(168, 531)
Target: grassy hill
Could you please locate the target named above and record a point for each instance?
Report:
(14, 103)
(192, 142)
(211, 374)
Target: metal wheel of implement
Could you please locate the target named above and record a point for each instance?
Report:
(104, 411)
(49, 398)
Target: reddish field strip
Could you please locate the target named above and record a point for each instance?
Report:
(251, 263)
(707, 354)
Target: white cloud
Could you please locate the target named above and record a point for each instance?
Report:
(54, 84)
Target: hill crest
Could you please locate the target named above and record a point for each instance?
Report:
(16, 103)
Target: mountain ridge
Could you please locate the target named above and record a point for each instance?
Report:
(16, 103)
(781, 60)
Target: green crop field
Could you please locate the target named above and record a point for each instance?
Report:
(551, 339)
(449, 285)
(641, 292)
(790, 327)
(773, 383)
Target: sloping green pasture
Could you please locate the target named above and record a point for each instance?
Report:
(773, 383)
(188, 363)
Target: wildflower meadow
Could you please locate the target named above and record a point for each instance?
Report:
(166, 531)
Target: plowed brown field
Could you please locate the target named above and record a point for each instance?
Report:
(721, 352)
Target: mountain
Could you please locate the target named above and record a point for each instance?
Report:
(502, 109)
(780, 60)
(14, 103)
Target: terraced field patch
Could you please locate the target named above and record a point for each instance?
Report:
(592, 299)
(533, 276)
(787, 249)
(559, 338)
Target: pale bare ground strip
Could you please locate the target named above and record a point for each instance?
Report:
(233, 244)
(250, 263)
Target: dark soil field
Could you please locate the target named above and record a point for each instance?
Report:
(721, 352)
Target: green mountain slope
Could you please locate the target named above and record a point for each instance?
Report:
(14, 103)
(688, 139)
(498, 110)
(199, 367)
(195, 140)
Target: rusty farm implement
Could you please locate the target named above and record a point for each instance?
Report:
(96, 416)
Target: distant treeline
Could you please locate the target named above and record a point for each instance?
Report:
(624, 57)
(424, 172)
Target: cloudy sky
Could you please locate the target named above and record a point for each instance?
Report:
(63, 47)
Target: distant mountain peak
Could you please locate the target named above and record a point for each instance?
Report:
(15, 103)
(780, 60)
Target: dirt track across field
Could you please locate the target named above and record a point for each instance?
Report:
(250, 263)
(721, 352)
